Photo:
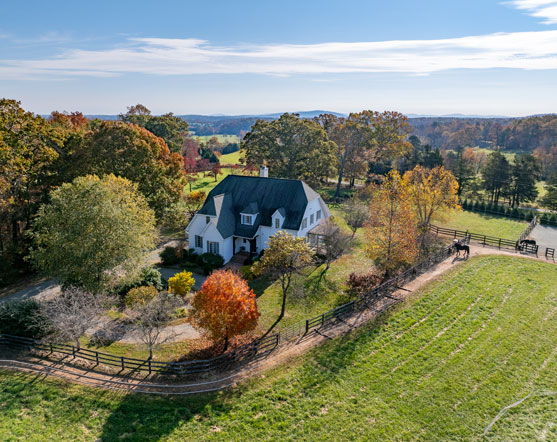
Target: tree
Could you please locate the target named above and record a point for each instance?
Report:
(224, 307)
(549, 200)
(335, 244)
(72, 313)
(194, 201)
(392, 231)
(93, 232)
(291, 147)
(28, 148)
(356, 214)
(433, 193)
(151, 320)
(285, 256)
(525, 172)
(181, 283)
(366, 136)
(134, 153)
(463, 168)
(215, 170)
(173, 130)
(496, 176)
(140, 296)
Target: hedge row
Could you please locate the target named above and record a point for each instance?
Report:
(516, 213)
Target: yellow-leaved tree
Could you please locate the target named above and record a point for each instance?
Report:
(434, 194)
(391, 231)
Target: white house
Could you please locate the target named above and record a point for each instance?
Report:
(242, 212)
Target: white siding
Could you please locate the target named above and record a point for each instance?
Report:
(312, 208)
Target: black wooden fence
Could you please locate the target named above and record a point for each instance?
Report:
(247, 353)
(485, 240)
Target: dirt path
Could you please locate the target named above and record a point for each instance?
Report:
(153, 385)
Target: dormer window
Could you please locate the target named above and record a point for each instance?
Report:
(277, 223)
(247, 219)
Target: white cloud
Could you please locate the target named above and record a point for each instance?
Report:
(544, 9)
(160, 56)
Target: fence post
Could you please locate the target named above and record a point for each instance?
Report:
(307, 326)
(51, 349)
(499, 242)
(149, 365)
(123, 366)
(97, 357)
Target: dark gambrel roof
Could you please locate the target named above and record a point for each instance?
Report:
(237, 193)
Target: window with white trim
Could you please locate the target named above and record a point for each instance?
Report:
(247, 219)
(318, 215)
(213, 247)
(277, 223)
(198, 241)
(311, 219)
(304, 223)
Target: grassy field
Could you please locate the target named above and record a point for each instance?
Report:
(319, 293)
(438, 368)
(231, 158)
(485, 224)
(224, 139)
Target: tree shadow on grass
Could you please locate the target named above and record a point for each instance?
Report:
(144, 417)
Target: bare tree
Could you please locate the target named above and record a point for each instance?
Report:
(72, 312)
(335, 243)
(356, 215)
(152, 319)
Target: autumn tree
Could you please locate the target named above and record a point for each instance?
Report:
(224, 307)
(433, 193)
(292, 148)
(356, 214)
(391, 232)
(193, 202)
(129, 151)
(93, 232)
(181, 283)
(285, 257)
(28, 148)
(172, 129)
(366, 136)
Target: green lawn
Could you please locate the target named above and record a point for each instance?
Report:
(485, 224)
(319, 295)
(224, 139)
(439, 368)
(231, 158)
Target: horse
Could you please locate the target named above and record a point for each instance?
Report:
(461, 247)
(528, 242)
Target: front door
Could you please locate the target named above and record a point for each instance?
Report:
(253, 246)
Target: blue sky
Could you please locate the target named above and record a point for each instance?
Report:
(222, 57)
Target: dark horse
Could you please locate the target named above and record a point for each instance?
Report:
(461, 247)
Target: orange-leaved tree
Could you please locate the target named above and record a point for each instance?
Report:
(224, 307)
(391, 231)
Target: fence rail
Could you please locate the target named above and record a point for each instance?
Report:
(485, 240)
(257, 349)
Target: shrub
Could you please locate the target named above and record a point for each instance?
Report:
(361, 284)
(246, 272)
(181, 283)
(24, 318)
(209, 262)
(140, 296)
(169, 256)
(148, 276)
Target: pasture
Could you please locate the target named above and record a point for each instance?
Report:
(439, 367)
(485, 224)
(223, 139)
